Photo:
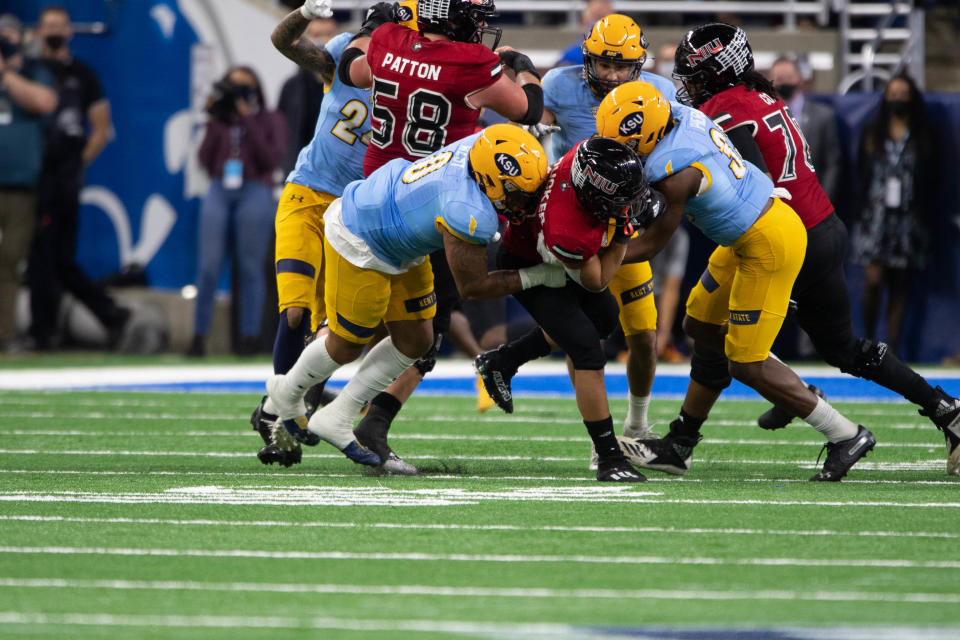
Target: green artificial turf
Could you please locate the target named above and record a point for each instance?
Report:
(148, 515)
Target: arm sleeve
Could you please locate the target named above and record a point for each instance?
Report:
(742, 139)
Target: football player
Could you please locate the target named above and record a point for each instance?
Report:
(332, 159)
(428, 86)
(613, 53)
(377, 239)
(739, 304)
(583, 222)
(715, 64)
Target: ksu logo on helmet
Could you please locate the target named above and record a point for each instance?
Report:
(704, 52)
(631, 124)
(507, 164)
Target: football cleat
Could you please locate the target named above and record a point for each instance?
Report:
(843, 455)
(371, 432)
(618, 470)
(946, 416)
(484, 401)
(636, 433)
(777, 418)
(263, 422)
(662, 454)
(496, 376)
(293, 413)
(394, 465)
(272, 453)
(336, 430)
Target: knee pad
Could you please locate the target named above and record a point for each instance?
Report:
(709, 367)
(865, 360)
(587, 358)
(426, 364)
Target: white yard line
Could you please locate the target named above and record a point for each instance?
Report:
(480, 592)
(484, 527)
(489, 558)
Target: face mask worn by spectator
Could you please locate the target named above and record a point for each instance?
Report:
(899, 107)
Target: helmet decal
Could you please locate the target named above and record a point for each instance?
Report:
(704, 52)
(631, 124)
(507, 164)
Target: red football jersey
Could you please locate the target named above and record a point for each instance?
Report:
(781, 143)
(419, 92)
(561, 226)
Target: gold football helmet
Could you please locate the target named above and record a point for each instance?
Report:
(636, 114)
(407, 14)
(510, 166)
(615, 39)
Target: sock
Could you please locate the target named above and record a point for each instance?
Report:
(387, 405)
(269, 407)
(637, 412)
(605, 443)
(828, 421)
(896, 376)
(289, 343)
(526, 348)
(314, 365)
(379, 368)
(685, 429)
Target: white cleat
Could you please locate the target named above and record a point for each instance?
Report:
(394, 465)
(594, 458)
(291, 411)
(639, 433)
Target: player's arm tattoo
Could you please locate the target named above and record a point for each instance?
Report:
(468, 264)
(287, 38)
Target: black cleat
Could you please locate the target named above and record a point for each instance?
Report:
(946, 416)
(371, 432)
(618, 470)
(777, 418)
(496, 376)
(272, 453)
(843, 455)
(263, 422)
(659, 454)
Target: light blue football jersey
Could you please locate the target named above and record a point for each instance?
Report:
(398, 209)
(335, 155)
(567, 94)
(734, 192)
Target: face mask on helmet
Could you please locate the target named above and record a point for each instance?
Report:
(459, 20)
(614, 40)
(510, 166)
(608, 179)
(711, 59)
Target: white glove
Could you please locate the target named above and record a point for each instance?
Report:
(313, 9)
(780, 192)
(540, 130)
(548, 275)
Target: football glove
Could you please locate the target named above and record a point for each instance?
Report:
(780, 192)
(313, 9)
(540, 131)
(623, 232)
(648, 209)
(519, 62)
(378, 14)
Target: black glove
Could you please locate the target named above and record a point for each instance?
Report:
(518, 62)
(624, 230)
(377, 15)
(648, 209)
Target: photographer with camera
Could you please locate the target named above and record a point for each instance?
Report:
(243, 145)
(26, 97)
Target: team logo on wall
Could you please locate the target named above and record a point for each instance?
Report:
(631, 124)
(507, 164)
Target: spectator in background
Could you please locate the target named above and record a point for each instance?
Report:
(80, 130)
(663, 63)
(898, 169)
(242, 146)
(595, 10)
(25, 97)
(818, 122)
(302, 94)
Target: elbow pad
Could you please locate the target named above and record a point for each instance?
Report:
(346, 59)
(534, 103)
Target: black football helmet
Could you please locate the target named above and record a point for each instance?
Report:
(459, 20)
(608, 179)
(711, 59)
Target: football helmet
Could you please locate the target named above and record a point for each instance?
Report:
(510, 166)
(711, 59)
(459, 20)
(608, 179)
(636, 114)
(407, 14)
(614, 39)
